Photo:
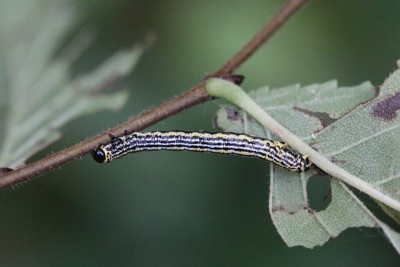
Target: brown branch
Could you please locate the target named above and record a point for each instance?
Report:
(190, 98)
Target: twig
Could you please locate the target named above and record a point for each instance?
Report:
(188, 99)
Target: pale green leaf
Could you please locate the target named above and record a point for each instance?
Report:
(305, 111)
(298, 224)
(37, 93)
(369, 140)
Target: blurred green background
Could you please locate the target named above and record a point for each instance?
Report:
(179, 209)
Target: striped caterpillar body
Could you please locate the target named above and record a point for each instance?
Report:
(223, 143)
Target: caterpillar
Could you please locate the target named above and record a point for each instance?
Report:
(223, 143)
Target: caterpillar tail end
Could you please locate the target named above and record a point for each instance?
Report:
(305, 164)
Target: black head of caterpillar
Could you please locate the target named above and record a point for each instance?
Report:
(223, 143)
(99, 155)
(102, 155)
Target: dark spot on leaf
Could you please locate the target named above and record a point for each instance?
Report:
(234, 78)
(323, 117)
(278, 208)
(338, 161)
(232, 114)
(291, 212)
(386, 109)
(308, 209)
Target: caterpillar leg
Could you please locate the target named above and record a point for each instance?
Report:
(280, 144)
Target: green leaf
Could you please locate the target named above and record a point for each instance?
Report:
(369, 139)
(38, 95)
(302, 226)
(305, 112)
